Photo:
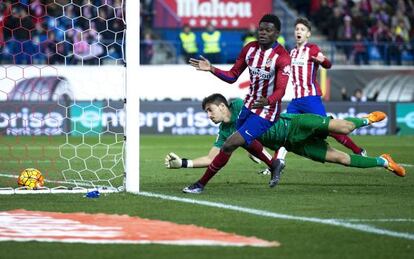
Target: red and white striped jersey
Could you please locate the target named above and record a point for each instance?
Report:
(269, 74)
(304, 70)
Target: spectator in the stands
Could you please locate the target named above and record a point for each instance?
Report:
(360, 50)
(38, 36)
(382, 37)
(52, 50)
(346, 33)
(211, 44)
(400, 40)
(320, 17)
(334, 21)
(147, 48)
(188, 41)
(400, 17)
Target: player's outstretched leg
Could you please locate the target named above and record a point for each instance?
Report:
(276, 172)
(335, 156)
(342, 138)
(393, 166)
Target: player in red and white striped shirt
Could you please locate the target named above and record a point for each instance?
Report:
(269, 68)
(306, 59)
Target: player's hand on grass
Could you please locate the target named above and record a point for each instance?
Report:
(201, 64)
(320, 58)
(262, 102)
(173, 161)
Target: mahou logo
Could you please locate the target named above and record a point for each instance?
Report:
(214, 8)
(221, 13)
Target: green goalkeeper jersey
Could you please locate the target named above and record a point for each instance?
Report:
(228, 128)
(273, 138)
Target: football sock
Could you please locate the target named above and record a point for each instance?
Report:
(358, 122)
(256, 149)
(347, 142)
(382, 162)
(363, 162)
(280, 153)
(218, 162)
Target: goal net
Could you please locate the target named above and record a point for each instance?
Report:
(62, 93)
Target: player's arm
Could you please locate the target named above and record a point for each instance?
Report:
(230, 76)
(173, 161)
(318, 57)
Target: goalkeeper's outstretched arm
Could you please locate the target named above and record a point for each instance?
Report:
(173, 161)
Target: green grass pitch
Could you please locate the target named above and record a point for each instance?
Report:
(372, 197)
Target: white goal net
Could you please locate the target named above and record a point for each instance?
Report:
(62, 93)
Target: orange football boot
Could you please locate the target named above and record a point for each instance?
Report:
(375, 116)
(393, 166)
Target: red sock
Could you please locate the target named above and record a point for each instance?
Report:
(218, 162)
(256, 149)
(347, 142)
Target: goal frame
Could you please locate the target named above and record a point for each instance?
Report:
(132, 108)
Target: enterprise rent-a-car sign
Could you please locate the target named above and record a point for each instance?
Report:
(156, 117)
(176, 118)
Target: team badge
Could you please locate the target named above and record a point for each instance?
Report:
(268, 62)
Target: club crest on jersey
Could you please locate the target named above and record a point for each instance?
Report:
(268, 63)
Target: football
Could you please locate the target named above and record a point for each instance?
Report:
(30, 178)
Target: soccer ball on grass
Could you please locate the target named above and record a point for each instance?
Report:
(31, 178)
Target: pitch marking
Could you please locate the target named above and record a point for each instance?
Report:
(264, 213)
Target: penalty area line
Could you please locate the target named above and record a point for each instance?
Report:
(264, 213)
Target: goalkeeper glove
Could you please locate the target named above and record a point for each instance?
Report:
(173, 161)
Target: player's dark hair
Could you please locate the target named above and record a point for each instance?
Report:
(304, 21)
(214, 98)
(271, 18)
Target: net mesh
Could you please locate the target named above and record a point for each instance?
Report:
(62, 91)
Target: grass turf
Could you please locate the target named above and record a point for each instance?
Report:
(307, 189)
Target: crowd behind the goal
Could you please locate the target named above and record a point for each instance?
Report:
(50, 32)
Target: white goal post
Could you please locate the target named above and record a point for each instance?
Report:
(132, 94)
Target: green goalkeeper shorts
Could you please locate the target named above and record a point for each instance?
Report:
(307, 136)
(314, 149)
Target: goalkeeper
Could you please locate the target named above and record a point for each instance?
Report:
(302, 134)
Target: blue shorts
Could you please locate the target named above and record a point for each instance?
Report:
(251, 126)
(308, 104)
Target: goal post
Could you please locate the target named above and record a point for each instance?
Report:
(132, 96)
(69, 94)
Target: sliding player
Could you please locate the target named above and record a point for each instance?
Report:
(303, 134)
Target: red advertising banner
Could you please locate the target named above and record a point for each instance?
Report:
(224, 14)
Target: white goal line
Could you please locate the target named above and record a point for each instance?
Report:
(333, 222)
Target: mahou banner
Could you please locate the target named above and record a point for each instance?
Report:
(223, 14)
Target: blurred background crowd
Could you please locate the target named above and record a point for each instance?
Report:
(350, 31)
(58, 32)
(92, 32)
(366, 29)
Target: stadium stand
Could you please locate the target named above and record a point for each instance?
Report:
(350, 32)
(55, 32)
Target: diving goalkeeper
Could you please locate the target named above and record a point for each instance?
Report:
(302, 134)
